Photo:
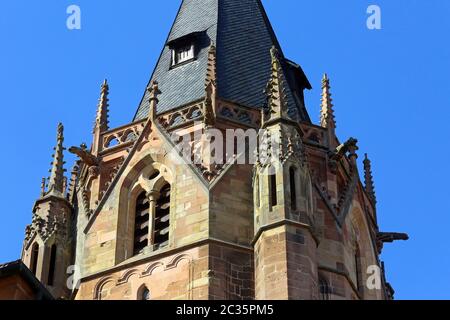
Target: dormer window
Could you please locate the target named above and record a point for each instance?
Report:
(182, 54)
(184, 49)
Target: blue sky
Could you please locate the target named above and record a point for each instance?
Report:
(391, 91)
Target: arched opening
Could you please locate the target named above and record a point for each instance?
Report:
(52, 267)
(112, 142)
(141, 225)
(34, 258)
(273, 190)
(162, 218)
(144, 294)
(293, 187)
(324, 289)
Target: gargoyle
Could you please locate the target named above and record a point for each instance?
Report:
(84, 155)
(343, 149)
(389, 237)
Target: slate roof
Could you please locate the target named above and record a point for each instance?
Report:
(243, 36)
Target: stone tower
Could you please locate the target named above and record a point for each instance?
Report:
(47, 249)
(171, 205)
(284, 215)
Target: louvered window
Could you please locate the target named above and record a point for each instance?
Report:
(162, 218)
(182, 53)
(141, 229)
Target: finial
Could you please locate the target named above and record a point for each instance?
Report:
(276, 90)
(56, 180)
(327, 119)
(101, 120)
(154, 91)
(368, 179)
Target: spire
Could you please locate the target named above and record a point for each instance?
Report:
(210, 87)
(368, 179)
(242, 36)
(327, 113)
(154, 92)
(101, 119)
(276, 90)
(56, 180)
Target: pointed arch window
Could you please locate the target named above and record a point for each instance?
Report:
(52, 267)
(293, 187)
(34, 258)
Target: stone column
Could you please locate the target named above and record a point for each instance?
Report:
(153, 196)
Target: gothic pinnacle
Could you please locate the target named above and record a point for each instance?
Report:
(211, 67)
(210, 88)
(327, 119)
(276, 89)
(368, 179)
(73, 181)
(101, 119)
(56, 180)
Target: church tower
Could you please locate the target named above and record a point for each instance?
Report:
(220, 187)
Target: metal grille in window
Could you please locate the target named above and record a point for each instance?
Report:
(324, 289)
(162, 218)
